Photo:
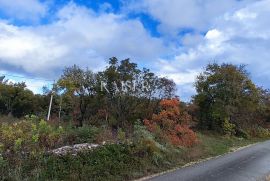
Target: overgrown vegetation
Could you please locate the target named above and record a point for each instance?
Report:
(134, 116)
(228, 100)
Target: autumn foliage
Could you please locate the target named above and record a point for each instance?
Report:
(170, 124)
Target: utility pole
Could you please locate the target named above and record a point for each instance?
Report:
(60, 108)
(50, 106)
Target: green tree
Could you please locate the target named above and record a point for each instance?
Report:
(80, 85)
(131, 93)
(120, 94)
(226, 96)
(17, 100)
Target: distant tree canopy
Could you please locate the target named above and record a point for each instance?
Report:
(117, 96)
(226, 101)
(16, 100)
(121, 93)
(227, 98)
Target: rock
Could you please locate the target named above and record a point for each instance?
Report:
(74, 149)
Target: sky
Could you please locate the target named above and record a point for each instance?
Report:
(174, 38)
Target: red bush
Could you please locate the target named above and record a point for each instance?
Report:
(172, 123)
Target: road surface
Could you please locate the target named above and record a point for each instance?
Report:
(252, 163)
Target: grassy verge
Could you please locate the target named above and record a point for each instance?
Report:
(210, 146)
(115, 161)
(213, 145)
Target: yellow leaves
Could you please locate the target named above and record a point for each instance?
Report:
(37, 135)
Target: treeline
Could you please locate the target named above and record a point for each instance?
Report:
(133, 117)
(227, 101)
(117, 96)
(16, 100)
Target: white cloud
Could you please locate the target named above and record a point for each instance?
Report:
(239, 37)
(235, 32)
(24, 48)
(190, 40)
(182, 78)
(23, 9)
(78, 36)
(174, 15)
(182, 71)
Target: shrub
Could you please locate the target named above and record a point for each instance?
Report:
(105, 134)
(27, 136)
(85, 134)
(183, 135)
(145, 143)
(172, 125)
(228, 128)
(109, 162)
(260, 132)
(241, 133)
(17, 136)
(121, 135)
(48, 136)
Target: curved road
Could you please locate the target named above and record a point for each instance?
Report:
(252, 163)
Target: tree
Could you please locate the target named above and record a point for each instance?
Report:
(263, 113)
(118, 95)
(226, 97)
(16, 100)
(130, 93)
(81, 86)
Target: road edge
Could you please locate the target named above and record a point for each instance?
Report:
(232, 150)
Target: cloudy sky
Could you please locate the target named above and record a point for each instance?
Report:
(174, 38)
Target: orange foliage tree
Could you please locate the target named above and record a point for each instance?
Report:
(170, 124)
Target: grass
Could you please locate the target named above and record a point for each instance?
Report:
(214, 145)
(210, 145)
(110, 162)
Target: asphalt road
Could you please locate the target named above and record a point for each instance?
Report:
(252, 163)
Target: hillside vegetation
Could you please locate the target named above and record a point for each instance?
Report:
(134, 117)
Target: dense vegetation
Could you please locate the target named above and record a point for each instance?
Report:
(135, 117)
(228, 101)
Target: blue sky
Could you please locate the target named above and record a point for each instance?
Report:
(174, 38)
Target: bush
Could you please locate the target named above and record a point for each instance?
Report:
(260, 132)
(121, 135)
(183, 135)
(228, 128)
(28, 136)
(146, 145)
(85, 134)
(170, 125)
(241, 133)
(110, 162)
